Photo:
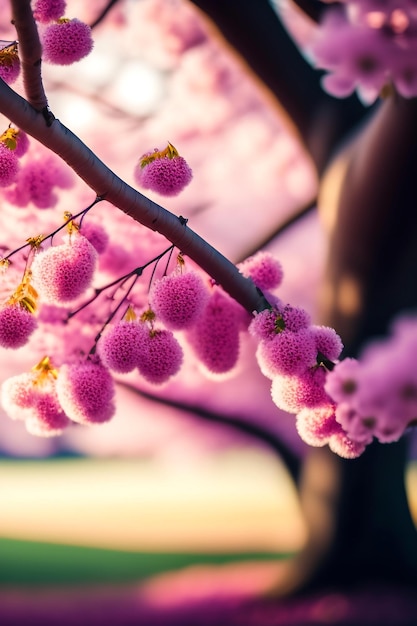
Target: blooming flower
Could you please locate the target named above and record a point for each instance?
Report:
(9, 63)
(294, 393)
(45, 11)
(163, 171)
(160, 356)
(85, 392)
(16, 325)
(179, 299)
(120, 345)
(36, 182)
(215, 335)
(66, 42)
(63, 273)
(287, 353)
(264, 269)
(9, 165)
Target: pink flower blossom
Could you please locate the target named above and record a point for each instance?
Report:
(18, 394)
(359, 427)
(96, 235)
(45, 11)
(295, 318)
(263, 325)
(164, 171)
(160, 356)
(343, 446)
(366, 46)
(294, 393)
(215, 336)
(16, 326)
(120, 345)
(36, 181)
(342, 382)
(328, 342)
(9, 166)
(63, 273)
(179, 299)
(9, 63)
(287, 353)
(264, 269)
(66, 42)
(46, 417)
(22, 143)
(85, 392)
(315, 426)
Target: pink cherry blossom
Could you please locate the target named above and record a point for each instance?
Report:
(294, 393)
(18, 394)
(328, 342)
(16, 325)
(96, 235)
(160, 356)
(46, 417)
(342, 382)
(9, 166)
(37, 180)
(179, 299)
(66, 42)
(120, 345)
(64, 272)
(85, 392)
(287, 353)
(263, 325)
(316, 425)
(9, 63)
(45, 11)
(215, 336)
(264, 269)
(343, 446)
(167, 173)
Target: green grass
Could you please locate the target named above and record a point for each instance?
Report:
(31, 563)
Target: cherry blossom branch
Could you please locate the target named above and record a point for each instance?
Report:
(107, 185)
(239, 424)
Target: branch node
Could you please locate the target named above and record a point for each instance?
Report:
(48, 115)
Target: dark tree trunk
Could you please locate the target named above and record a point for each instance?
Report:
(369, 534)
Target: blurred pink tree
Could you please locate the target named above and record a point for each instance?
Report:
(78, 315)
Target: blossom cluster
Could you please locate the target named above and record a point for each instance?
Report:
(64, 41)
(368, 45)
(29, 174)
(376, 395)
(342, 403)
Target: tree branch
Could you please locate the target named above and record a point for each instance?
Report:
(254, 430)
(314, 9)
(30, 53)
(107, 185)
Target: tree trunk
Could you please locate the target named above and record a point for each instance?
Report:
(357, 511)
